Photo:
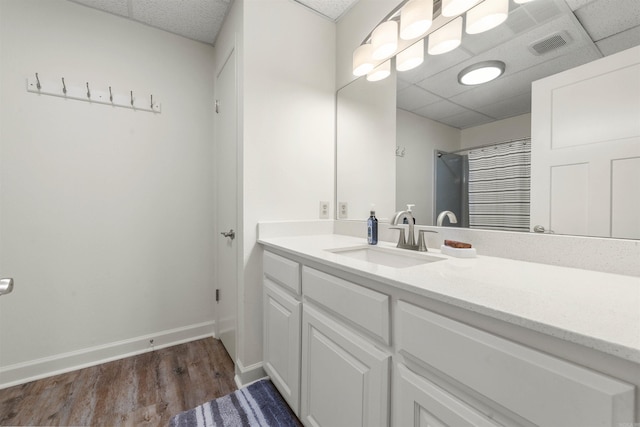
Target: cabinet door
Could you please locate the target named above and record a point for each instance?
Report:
(282, 342)
(345, 380)
(419, 402)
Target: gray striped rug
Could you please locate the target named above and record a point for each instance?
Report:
(258, 404)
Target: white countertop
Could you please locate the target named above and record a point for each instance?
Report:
(593, 309)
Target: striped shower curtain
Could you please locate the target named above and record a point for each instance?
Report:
(499, 186)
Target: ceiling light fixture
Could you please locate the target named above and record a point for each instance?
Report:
(363, 60)
(487, 15)
(446, 38)
(482, 72)
(457, 7)
(416, 18)
(381, 72)
(384, 40)
(411, 57)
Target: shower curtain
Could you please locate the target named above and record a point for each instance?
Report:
(499, 186)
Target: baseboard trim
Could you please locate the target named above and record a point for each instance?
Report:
(32, 370)
(247, 375)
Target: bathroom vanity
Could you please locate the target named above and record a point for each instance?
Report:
(352, 337)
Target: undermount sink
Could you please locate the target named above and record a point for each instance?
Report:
(397, 258)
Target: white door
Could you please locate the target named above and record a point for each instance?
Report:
(227, 197)
(585, 149)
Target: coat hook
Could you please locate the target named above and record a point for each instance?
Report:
(88, 91)
(38, 79)
(110, 94)
(64, 87)
(152, 101)
(132, 98)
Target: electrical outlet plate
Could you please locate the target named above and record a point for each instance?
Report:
(343, 210)
(324, 210)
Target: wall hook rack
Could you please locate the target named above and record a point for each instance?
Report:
(79, 93)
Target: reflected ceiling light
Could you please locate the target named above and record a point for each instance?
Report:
(487, 15)
(411, 57)
(481, 72)
(384, 40)
(363, 60)
(416, 18)
(457, 7)
(446, 38)
(382, 71)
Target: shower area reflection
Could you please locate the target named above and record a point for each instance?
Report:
(486, 187)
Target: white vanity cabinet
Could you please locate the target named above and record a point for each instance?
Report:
(345, 376)
(510, 383)
(282, 311)
(360, 352)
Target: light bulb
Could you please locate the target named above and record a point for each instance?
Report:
(487, 15)
(416, 18)
(447, 38)
(457, 7)
(411, 57)
(381, 72)
(362, 60)
(384, 40)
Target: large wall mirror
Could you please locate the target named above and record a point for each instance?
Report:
(441, 142)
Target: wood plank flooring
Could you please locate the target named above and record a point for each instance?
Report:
(142, 390)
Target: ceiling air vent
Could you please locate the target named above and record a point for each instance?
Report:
(550, 43)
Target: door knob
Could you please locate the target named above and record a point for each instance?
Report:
(230, 233)
(6, 286)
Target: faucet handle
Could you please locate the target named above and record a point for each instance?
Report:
(401, 239)
(422, 243)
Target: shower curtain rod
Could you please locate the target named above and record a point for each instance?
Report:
(485, 145)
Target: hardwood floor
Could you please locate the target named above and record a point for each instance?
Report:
(142, 390)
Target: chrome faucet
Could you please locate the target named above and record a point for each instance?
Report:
(448, 214)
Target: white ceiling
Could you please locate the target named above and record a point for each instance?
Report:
(199, 20)
(595, 28)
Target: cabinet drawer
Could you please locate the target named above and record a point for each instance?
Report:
(542, 389)
(282, 271)
(420, 402)
(364, 307)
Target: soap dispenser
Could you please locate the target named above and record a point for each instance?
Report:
(372, 228)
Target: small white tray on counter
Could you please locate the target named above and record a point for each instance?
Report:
(458, 252)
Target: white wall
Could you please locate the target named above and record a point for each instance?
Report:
(288, 142)
(365, 161)
(499, 131)
(106, 213)
(419, 137)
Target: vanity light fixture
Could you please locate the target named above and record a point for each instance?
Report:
(522, 1)
(416, 18)
(384, 40)
(446, 38)
(381, 72)
(457, 7)
(482, 72)
(487, 15)
(411, 57)
(363, 60)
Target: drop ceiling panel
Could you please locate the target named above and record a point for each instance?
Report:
(505, 108)
(620, 15)
(440, 109)
(414, 97)
(200, 21)
(619, 42)
(466, 119)
(332, 9)
(117, 7)
(433, 64)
